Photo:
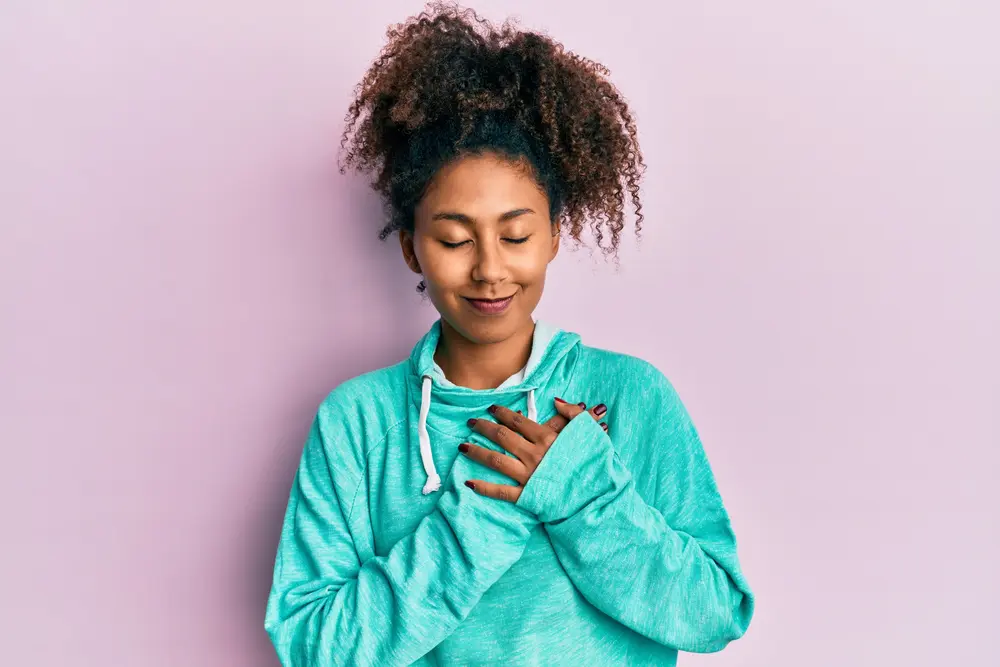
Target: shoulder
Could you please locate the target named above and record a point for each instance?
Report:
(624, 371)
(383, 387)
(359, 412)
(648, 423)
(631, 383)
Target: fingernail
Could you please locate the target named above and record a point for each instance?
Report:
(600, 409)
(492, 409)
(603, 425)
(470, 485)
(463, 448)
(472, 422)
(559, 400)
(582, 406)
(520, 413)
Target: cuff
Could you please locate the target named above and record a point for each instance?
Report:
(574, 471)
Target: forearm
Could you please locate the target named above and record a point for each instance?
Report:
(657, 581)
(625, 557)
(395, 608)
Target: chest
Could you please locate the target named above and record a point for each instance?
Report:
(392, 491)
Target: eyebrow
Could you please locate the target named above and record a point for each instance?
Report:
(467, 220)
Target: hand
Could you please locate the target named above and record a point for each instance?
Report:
(527, 440)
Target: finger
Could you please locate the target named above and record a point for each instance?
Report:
(504, 436)
(498, 461)
(604, 426)
(558, 422)
(568, 411)
(598, 412)
(531, 430)
(498, 491)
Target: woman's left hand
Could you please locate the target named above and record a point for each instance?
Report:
(527, 440)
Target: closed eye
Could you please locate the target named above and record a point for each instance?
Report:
(517, 241)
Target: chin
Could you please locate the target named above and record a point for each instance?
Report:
(485, 334)
(486, 330)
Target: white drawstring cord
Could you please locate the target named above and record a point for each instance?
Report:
(426, 457)
(433, 480)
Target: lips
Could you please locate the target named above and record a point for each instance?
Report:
(490, 306)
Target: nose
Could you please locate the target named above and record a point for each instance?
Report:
(490, 266)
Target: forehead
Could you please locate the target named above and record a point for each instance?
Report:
(482, 181)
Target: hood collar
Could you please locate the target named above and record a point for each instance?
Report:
(549, 345)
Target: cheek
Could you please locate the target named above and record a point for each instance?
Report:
(441, 266)
(529, 269)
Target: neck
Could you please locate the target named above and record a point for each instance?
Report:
(482, 365)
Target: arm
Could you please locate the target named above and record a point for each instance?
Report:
(327, 608)
(668, 570)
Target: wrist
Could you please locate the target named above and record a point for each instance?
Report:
(571, 474)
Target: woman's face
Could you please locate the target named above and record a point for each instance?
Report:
(482, 240)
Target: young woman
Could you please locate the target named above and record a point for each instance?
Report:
(461, 507)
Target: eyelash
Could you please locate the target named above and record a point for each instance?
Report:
(519, 241)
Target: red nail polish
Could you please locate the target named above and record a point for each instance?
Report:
(600, 409)
(559, 400)
(492, 409)
(604, 426)
(582, 406)
(470, 485)
(463, 448)
(472, 422)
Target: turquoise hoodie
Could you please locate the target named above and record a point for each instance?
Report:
(619, 550)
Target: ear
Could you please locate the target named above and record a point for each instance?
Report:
(409, 253)
(556, 238)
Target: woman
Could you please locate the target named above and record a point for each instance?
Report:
(461, 507)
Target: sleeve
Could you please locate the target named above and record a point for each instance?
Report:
(667, 569)
(327, 608)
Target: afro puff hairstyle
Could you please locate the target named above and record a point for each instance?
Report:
(448, 83)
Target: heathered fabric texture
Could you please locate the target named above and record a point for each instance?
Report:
(618, 552)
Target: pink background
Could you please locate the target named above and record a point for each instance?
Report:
(184, 275)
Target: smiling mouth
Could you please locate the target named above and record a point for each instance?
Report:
(490, 306)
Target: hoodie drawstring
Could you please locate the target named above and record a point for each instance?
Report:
(532, 410)
(433, 479)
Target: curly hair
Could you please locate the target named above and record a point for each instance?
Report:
(449, 83)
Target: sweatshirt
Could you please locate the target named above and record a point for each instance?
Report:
(618, 551)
